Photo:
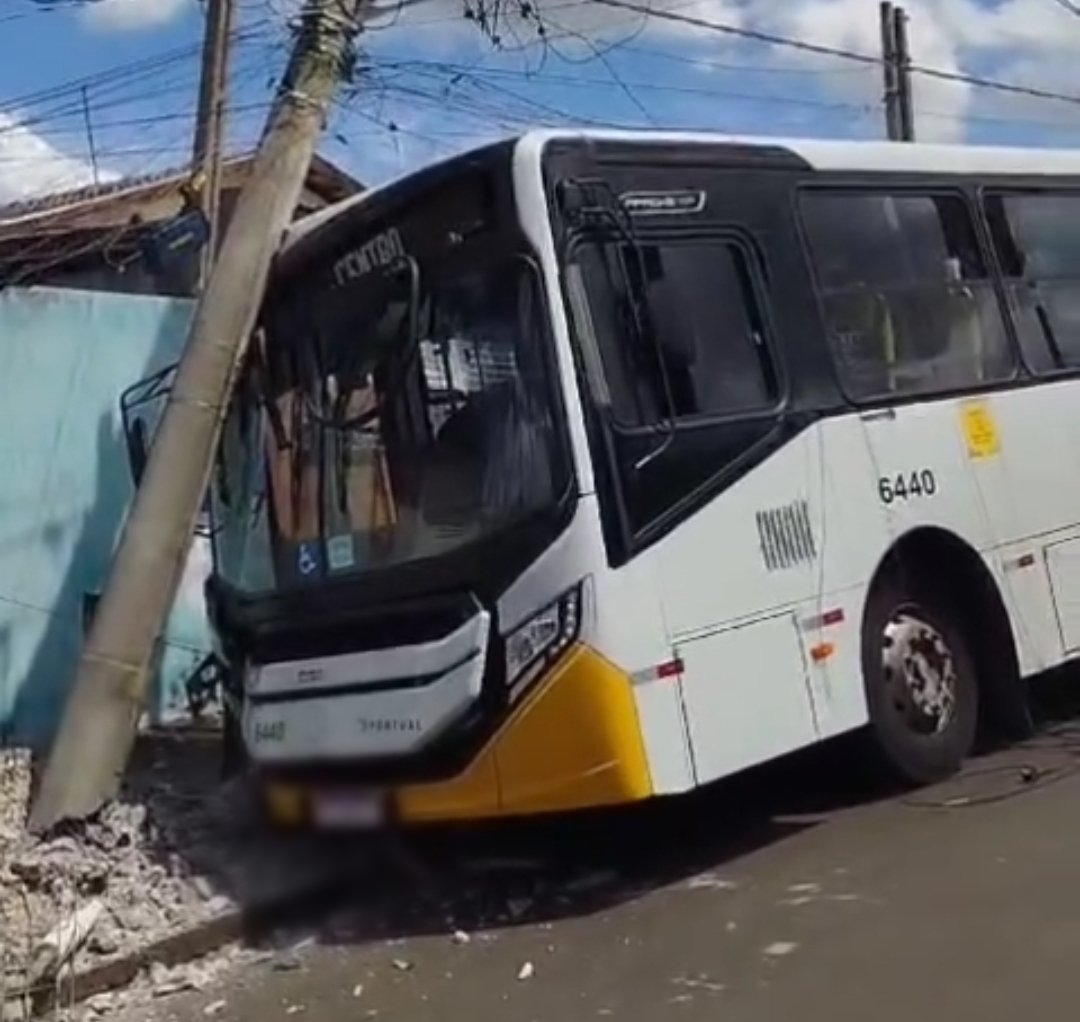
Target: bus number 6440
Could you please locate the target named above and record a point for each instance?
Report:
(907, 486)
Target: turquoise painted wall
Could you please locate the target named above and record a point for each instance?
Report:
(65, 358)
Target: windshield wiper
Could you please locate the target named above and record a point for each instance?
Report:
(593, 202)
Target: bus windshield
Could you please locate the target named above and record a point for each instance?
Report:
(388, 419)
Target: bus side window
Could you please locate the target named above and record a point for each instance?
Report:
(907, 297)
(699, 364)
(1037, 239)
(707, 329)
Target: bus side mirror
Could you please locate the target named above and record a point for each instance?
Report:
(141, 407)
(138, 449)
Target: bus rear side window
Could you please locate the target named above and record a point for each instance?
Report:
(1037, 238)
(908, 301)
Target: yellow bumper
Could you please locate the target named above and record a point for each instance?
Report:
(574, 742)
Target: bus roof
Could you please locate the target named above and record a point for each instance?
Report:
(851, 155)
(818, 154)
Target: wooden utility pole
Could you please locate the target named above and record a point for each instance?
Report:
(896, 68)
(100, 719)
(208, 151)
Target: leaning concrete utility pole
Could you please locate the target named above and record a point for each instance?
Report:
(101, 717)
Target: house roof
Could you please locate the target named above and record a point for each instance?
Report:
(153, 197)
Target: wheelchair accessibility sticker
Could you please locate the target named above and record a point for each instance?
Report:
(307, 560)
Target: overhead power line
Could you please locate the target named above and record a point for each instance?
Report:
(823, 50)
(124, 73)
(413, 80)
(462, 72)
(772, 39)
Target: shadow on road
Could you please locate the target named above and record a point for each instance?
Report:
(539, 871)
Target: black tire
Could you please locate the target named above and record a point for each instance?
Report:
(917, 745)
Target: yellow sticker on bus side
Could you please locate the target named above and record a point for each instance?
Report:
(980, 430)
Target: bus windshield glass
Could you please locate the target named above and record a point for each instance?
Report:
(398, 409)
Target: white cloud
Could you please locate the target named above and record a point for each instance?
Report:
(1030, 42)
(128, 15)
(854, 25)
(31, 166)
(1027, 42)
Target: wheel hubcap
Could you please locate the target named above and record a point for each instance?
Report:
(919, 672)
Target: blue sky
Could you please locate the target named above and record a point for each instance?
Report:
(431, 83)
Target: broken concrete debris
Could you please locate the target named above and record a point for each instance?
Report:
(56, 948)
(102, 889)
(178, 849)
(142, 1000)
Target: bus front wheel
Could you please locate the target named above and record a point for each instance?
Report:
(921, 685)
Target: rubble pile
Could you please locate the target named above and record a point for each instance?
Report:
(175, 850)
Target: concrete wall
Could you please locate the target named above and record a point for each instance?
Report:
(65, 358)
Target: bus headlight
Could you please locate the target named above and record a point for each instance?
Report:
(536, 643)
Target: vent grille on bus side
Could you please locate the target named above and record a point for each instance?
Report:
(786, 536)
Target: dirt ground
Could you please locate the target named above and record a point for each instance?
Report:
(794, 892)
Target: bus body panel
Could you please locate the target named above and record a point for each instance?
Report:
(858, 481)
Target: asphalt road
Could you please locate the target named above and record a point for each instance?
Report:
(791, 893)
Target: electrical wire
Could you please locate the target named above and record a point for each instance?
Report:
(1027, 775)
(592, 83)
(820, 49)
(130, 73)
(457, 73)
(767, 69)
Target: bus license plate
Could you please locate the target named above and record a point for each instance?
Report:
(348, 810)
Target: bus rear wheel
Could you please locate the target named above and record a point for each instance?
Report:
(921, 685)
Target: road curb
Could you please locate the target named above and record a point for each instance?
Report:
(178, 948)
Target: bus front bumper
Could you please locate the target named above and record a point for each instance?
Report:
(574, 742)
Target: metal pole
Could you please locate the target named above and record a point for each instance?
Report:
(209, 144)
(903, 75)
(889, 71)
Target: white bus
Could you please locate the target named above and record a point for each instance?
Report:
(591, 467)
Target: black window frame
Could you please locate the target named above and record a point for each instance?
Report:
(756, 275)
(631, 540)
(984, 191)
(930, 189)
